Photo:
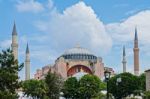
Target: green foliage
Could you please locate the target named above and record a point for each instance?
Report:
(7, 95)
(103, 86)
(100, 96)
(70, 88)
(34, 88)
(146, 95)
(49, 88)
(142, 79)
(9, 75)
(126, 87)
(54, 85)
(89, 86)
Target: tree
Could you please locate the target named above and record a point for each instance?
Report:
(70, 88)
(34, 88)
(54, 85)
(142, 79)
(100, 96)
(89, 86)
(103, 86)
(9, 68)
(146, 95)
(128, 85)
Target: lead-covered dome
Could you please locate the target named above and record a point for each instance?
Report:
(77, 50)
(79, 53)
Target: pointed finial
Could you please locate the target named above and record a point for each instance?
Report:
(14, 32)
(124, 51)
(136, 36)
(27, 49)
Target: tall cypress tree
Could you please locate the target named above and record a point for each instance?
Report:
(54, 85)
(9, 80)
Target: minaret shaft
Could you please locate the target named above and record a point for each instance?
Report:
(27, 64)
(124, 65)
(136, 54)
(124, 60)
(14, 44)
(136, 61)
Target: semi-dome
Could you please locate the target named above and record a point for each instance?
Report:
(78, 53)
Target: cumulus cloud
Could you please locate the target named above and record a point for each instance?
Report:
(29, 6)
(77, 24)
(50, 4)
(124, 31)
(5, 44)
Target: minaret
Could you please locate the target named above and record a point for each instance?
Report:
(124, 60)
(27, 64)
(136, 54)
(14, 44)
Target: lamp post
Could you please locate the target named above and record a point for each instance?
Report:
(107, 77)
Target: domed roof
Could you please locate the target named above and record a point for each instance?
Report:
(77, 50)
(79, 53)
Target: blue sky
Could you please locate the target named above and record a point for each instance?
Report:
(53, 26)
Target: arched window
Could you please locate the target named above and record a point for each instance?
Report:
(75, 56)
(86, 57)
(81, 56)
(70, 56)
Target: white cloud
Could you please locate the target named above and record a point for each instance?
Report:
(5, 44)
(29, 6)
(33, 5)
(50, 4)
(77, 24)
(124, 31)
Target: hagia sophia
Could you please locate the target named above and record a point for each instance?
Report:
(75, 60)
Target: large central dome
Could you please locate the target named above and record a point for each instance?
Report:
(77, 50)
(78, 53)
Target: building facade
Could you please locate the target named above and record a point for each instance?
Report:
(73, 61)
(147, 73)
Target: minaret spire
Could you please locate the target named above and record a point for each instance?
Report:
(124, 51)
(14, 32)
(124, 59)
(14, 44)
(27, 49)
(27, 63)
(136, 54)
(136, 36)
